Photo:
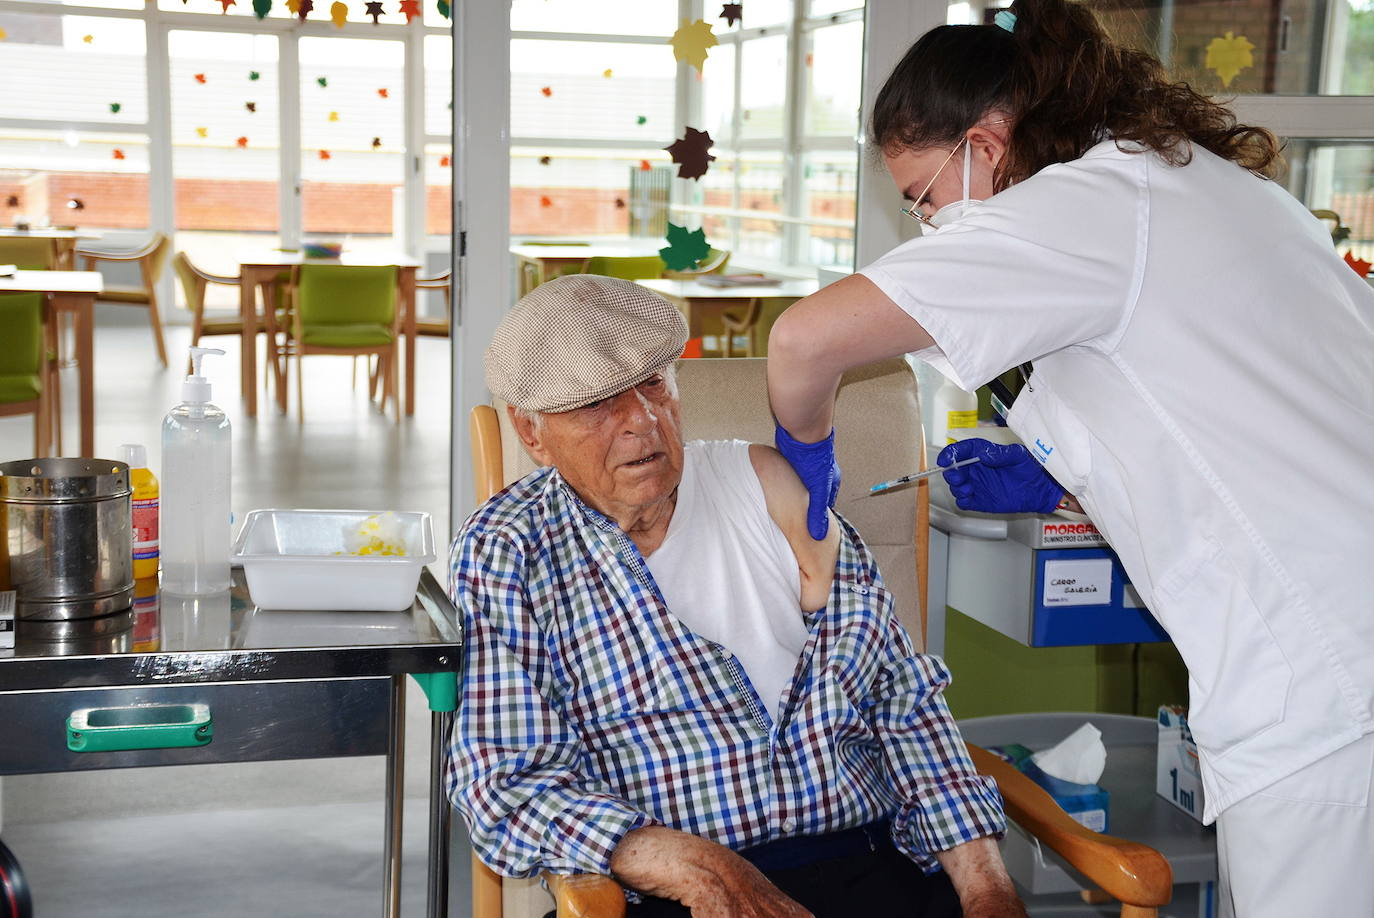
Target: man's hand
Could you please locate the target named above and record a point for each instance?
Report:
(710, 879)
(976, 870)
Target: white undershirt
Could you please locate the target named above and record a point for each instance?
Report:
(727, 571)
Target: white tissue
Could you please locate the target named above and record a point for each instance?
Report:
(1079, 758)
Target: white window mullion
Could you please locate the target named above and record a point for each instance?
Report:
(289, 130)
(412, 234)
(161, 178)
(794, 118)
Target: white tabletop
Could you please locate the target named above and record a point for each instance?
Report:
(52, 282)
(610, 250)
(362, 260)
(47, 232)
(695, 289)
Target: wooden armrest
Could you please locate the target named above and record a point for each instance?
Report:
(441, 279)
(214, 278)
(1130, 872)
(135, 255)
(586, 895)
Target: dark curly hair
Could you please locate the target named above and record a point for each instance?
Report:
(1066, 84)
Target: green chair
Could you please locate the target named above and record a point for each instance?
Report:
(29, 253)
(24, 365)
(151, 259)
(626, 268)
(347, 310)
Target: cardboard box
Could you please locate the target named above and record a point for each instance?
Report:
(1087, 804)
(1178, 774)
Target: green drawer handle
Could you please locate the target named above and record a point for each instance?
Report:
(139, 726)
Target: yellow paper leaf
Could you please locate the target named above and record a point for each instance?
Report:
(691, 40)
(1229, 55)
(339, 13)
(333, 116)
(293, 6)
(4, 35)
(201, 132)
(606, 73)
(88, 38)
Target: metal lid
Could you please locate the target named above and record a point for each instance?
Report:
(63, 480)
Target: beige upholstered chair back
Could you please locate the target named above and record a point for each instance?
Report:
(877, 436)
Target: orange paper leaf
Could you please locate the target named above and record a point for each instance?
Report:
(1359, 265)
(242, 142)
(118, 154)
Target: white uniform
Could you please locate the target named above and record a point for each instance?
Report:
(1204, 383)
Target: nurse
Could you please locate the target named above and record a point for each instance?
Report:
(1202, 385)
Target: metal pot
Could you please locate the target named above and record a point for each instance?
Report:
(67, 546)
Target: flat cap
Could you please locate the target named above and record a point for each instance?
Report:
(581, 338)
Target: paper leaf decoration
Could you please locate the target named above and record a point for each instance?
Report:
(88, 38)
(261, 8)
(545, 160)
(546, 90)
(200, 78)
(225, 4)
(202, 132)
(411, 9)
(1228, 56)
(644, 165)
(607, 73)
(376, 143)
(118, 153)
(691, 40)
(76, 204)
(323, 81)
(640, 119)
(324, 154)
(444, 161)
(619, 203)
(444, 8)
(293, 6)
(1360, 266)
(545, 201)
(242, 143)
(251, 106)
(254, 75)
(384, 93)
(115, 107)
(689, 152)
(732, 13)
(12, 201)
(374, 9)
(4, 35)
(304, 8)
(338, 13)
(685, 249)
(333, 116)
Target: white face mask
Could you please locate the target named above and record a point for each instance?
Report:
(957, 210)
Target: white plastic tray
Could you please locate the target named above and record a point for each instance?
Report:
(289, 560)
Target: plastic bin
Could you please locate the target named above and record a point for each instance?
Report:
(289, 560)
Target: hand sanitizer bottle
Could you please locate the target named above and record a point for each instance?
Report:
(195, 489)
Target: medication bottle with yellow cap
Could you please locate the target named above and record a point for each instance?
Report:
(145, 509)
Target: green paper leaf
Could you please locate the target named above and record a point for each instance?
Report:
(262, 8)
(641, 120)
(685, 248)
(323, 81)
(115, 107)
(444, 8)
(254, 75)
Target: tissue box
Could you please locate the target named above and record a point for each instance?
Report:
(1086, 804)
(1178, 776)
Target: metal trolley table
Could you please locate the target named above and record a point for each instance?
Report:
(182, 680)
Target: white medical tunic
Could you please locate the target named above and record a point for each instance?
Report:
(1204, 384)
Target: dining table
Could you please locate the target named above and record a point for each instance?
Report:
(259, 273)
(70, 293)
(65, 241)
(537, 263)
(703, 302)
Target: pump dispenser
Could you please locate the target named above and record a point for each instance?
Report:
(195, 489)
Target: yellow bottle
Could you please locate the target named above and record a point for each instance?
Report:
(145, 510)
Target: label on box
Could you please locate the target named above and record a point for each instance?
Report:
(1078, 583)
(7, 604)
(1178, 773)
(1091, 819)
(1058, 533)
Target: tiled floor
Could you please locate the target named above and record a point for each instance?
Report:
(281, 838)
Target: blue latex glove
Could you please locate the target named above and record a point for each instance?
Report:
(815, 465)
(1007, 479)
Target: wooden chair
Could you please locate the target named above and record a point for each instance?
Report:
(441, 281)
(347, 310)
(715, 262)
(30, 253)
(151, 259)
(878, 435)
(628, 267)
(25, 360)
(194, 283)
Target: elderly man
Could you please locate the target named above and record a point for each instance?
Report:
(669, 681)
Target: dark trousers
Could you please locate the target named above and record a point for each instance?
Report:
(877, 882)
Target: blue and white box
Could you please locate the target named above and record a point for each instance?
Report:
(1178, 773)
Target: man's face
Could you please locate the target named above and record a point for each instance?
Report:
(622, 454)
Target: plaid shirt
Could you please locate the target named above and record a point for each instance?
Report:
(588, 710)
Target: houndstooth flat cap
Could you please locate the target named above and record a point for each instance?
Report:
(581, 338)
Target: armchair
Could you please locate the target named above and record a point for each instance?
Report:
(877, 431)
(151, 259)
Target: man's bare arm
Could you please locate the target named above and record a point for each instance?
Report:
(979, 876)
(710, 879)
(787, 502)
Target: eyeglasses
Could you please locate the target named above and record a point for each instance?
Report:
(912, 210)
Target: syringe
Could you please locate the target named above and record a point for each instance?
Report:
(907, 479)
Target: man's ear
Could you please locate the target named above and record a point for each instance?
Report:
(531, 436)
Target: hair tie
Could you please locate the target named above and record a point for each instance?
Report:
(1006, 19)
